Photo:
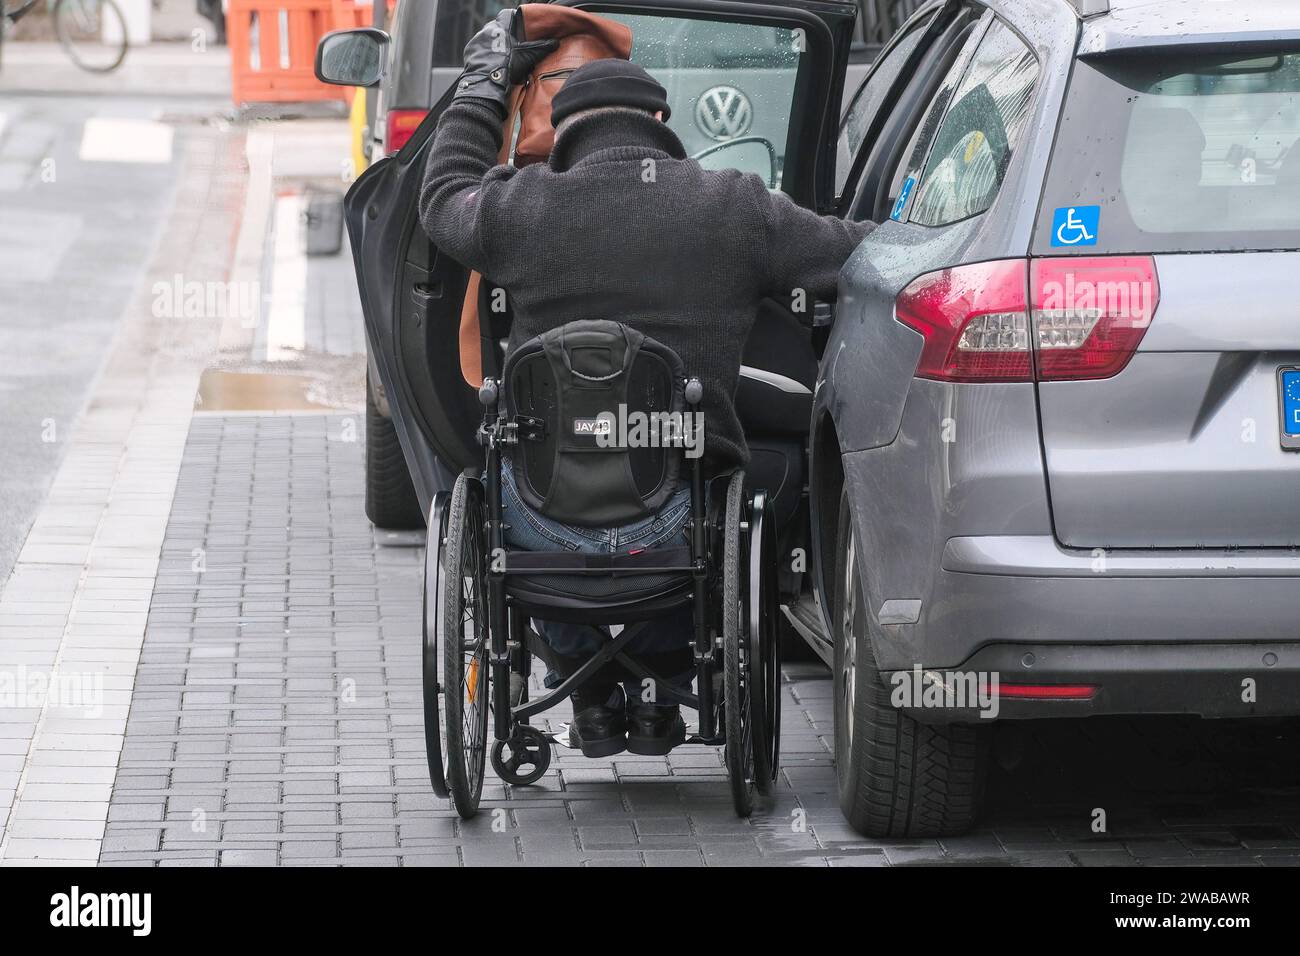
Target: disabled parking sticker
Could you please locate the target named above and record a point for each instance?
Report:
(897, 214)
(1076, 225)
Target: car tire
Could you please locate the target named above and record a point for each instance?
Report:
(391, 502)
(898, 777)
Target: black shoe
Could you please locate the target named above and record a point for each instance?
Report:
(599, 727)
(654, 729)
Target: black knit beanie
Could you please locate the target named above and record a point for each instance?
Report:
(608, 83)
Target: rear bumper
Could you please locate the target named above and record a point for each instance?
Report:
(999, 591)
(1209, 680)
(1214, 633)
(1040, 556)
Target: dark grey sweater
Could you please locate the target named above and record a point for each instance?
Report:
(620, 225)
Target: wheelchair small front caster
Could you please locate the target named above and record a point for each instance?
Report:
(528, 748)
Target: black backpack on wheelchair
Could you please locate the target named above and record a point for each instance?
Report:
(600, 425)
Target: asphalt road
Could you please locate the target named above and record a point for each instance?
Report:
(74, 237)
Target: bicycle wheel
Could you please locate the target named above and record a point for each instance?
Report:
(93, 32)
(13, 10)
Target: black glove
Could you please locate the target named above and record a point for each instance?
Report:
(495, 59)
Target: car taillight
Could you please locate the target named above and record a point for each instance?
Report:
(401, 125)
(975, 322)
(1068, 318)
(1090, 313)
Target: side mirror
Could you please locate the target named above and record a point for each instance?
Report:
(352, 57)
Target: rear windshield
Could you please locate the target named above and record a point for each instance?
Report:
(1177, 153)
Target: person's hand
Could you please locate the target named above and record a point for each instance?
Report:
(495, 58)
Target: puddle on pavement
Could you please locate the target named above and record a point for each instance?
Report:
(222, 391)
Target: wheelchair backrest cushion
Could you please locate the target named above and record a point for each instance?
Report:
(595, 401)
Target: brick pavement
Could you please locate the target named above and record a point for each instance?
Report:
(276, 719)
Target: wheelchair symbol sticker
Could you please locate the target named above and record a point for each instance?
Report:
(1076, 226)
(904, 195)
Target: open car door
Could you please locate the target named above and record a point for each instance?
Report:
(753, 85)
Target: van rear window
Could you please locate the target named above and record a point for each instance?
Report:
(1180, 152)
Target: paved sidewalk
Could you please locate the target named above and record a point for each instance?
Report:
(276, 719)
(276, 714)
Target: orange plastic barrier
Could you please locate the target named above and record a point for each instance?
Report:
(349, 14)
(273, 47)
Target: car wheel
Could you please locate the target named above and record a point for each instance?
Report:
(897, 776)
(391, 501)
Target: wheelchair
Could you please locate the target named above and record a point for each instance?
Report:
(543, 417)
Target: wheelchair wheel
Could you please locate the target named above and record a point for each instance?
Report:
(463, 635)
(530, 748)
(764, 626)
(748, 644)
(430, 658)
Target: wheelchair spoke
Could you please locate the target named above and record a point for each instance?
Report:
(474, 682)
(747, 723)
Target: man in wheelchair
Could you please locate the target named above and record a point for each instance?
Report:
(624, 262)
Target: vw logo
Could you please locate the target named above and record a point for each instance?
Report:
(723, 112)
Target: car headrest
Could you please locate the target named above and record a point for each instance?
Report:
(1162, 164)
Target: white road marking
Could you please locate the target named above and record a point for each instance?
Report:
(237, 332)
(112, 140)
(286, 323)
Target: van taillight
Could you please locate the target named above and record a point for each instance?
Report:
(1070, 318)
(402, 124)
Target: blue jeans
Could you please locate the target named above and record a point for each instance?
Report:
(529, 531)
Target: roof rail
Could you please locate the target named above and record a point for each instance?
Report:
(1089, 8)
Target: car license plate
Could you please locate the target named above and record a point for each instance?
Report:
(1288, 387)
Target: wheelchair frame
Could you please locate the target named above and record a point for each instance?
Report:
(746, 645)
(501, 433)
